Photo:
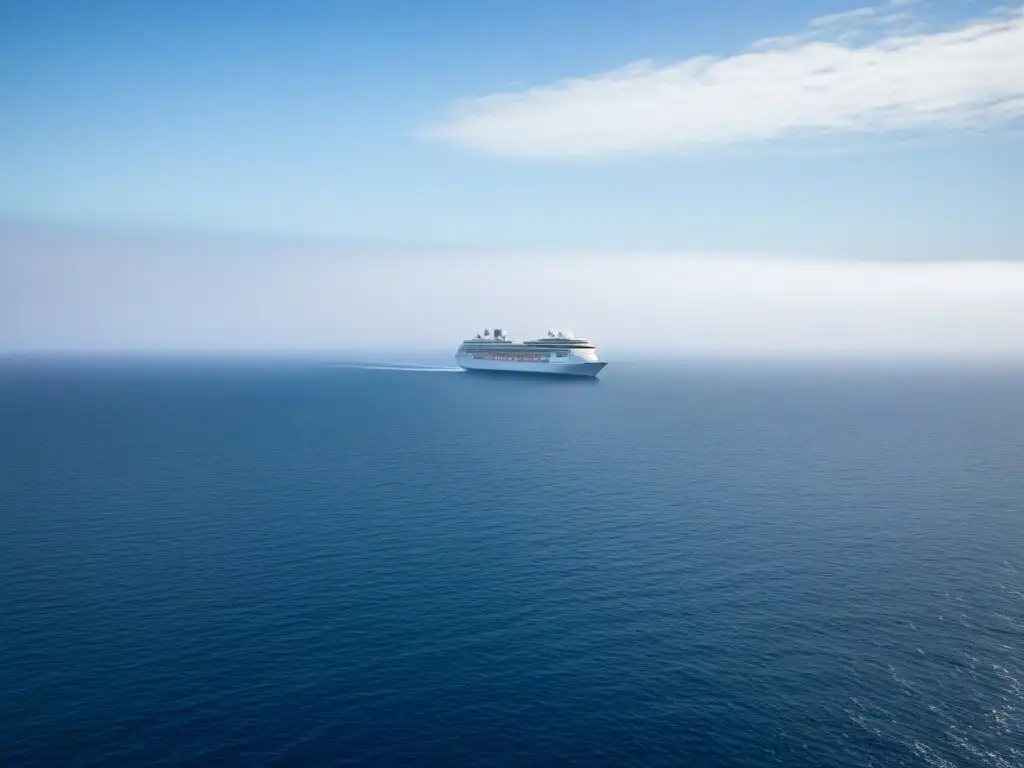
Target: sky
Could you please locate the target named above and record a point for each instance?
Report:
(778, 177)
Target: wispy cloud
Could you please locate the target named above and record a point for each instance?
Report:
(871, 69)
(832, 19)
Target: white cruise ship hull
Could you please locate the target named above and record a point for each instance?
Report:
(573, 366)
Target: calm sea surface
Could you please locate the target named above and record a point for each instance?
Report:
(706, 565)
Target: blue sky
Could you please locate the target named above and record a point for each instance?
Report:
(774, 178)
(315, 118)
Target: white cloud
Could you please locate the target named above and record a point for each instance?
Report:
(845, 17)
(819, 81)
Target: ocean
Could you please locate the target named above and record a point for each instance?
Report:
(695, 564)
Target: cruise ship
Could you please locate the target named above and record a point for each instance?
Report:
(557, 353)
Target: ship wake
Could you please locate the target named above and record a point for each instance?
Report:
(410, 367)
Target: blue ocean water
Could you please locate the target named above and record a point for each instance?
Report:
(699, 564)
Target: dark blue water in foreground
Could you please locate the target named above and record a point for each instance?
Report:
(698, 565)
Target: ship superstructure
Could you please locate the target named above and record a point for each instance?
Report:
(557, 353)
